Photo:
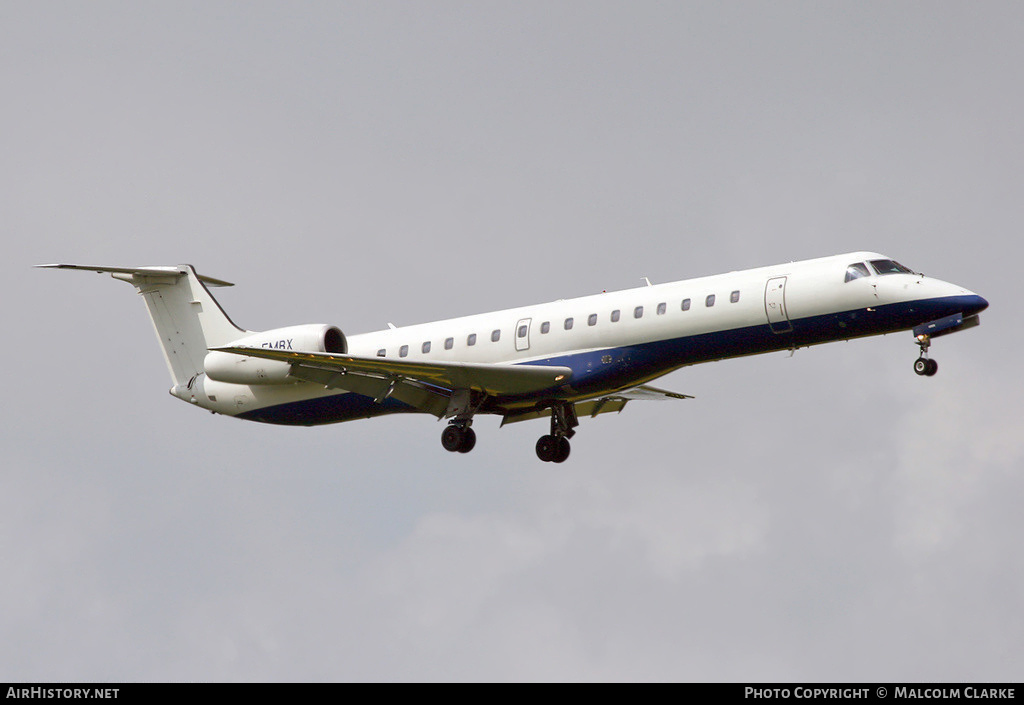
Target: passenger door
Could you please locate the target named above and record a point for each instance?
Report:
(775, 305)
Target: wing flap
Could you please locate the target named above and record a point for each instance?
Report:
(603, 405)
(645, 391)
(432, 400)
(591, 408)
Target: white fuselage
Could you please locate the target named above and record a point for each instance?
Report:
(616, 340)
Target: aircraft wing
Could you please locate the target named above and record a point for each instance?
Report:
(602, 405)
(426, 385)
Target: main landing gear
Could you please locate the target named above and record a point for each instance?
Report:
(458, 437)
(924, 365)
(554, 447)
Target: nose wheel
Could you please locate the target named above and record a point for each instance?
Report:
(925, 366)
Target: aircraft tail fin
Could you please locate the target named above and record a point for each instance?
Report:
(187, 319)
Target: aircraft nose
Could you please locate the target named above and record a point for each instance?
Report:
(974, 304)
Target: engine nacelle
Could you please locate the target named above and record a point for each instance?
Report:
(239, 369)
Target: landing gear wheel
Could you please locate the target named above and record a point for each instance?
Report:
(924, 365)
(458, 439)
(468, 440)
(562, 451)
(452, 438)
(553, 449)
(547, 448)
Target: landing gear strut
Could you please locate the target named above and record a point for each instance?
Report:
(458, 437)
(554, 448)
(924, 365)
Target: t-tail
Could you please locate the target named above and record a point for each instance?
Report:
(187, 319)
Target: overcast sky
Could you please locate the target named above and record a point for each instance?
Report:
(829, 516)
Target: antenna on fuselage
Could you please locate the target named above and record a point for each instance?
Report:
(647, 280)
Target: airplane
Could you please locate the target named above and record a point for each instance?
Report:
(560, 360)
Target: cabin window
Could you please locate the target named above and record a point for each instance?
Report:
(522, 331)
(638, 312)
(426, 347)
(403, 351)
(888, 266)
(686, 304)
(568, 323)
(856, 271)
(592, 319)
(734, 296)
(662, 307)
(449, 343)
(710, 300)
(495, 335)
(382, 353)
(615, 316)
(545, 326)
(471, 340)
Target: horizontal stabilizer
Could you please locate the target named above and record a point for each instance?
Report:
(165, 271)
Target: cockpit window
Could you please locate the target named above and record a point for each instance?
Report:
(856, 271)
(888, 266)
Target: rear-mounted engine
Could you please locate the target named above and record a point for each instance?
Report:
(239, 369)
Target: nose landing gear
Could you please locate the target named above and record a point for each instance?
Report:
(924, 365)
